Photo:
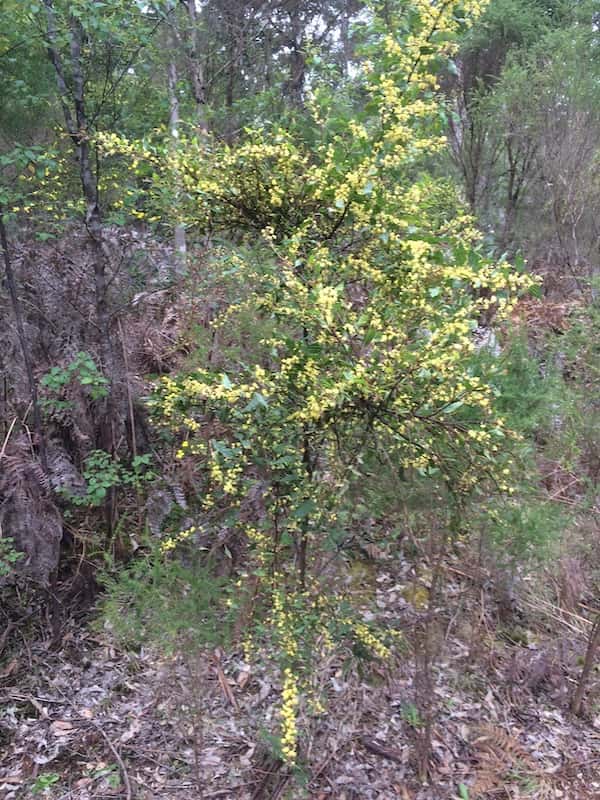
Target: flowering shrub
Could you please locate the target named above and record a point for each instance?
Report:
(372, 279)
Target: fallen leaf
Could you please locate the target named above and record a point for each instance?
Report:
(243, 679)
(10, 668)
(61, 727)
(131, 732)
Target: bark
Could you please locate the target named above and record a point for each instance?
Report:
(179, 237)
(588, 664)
(345, 39)
(196, 69)
(72, 100)
(40, 443)
(77, 127)
(268, 55)
(297, 59)
(93, 221)
(520, 158)
(230, 76)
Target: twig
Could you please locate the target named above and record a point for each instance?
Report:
(35, 702)
(224, 683)
(129, 397)
(448, 568)
(7, 437)
(29, 699)
(542, 610)
(589, 608)
(588, 665)
(120, 762)
(380, 750)
(556, 495)
(7, 631)
(560, 610)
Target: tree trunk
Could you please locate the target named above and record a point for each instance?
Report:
(40, 443)
(590, 658)
(72, 100)
(76, 124)
(345, 39)
(197, 70)
(297, 59)
(180, 239)
(93, 221)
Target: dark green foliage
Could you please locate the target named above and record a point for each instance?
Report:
(524, 529)
(169, 602)
(530, 390)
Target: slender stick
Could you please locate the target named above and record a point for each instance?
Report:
(120, 762)
(7, 437)
(590, 658)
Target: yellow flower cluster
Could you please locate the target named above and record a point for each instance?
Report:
(183, 450)
(289, 713)
(283, 622)
(171, 542)
(225, 477)
(368, 639)
(262, 545)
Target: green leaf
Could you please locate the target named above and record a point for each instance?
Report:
(257, 401)
(304, 509)
(453, 407)
(222, 448)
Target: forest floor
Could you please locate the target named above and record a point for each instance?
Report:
(84, 720)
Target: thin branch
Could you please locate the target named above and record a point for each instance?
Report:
(119, 760)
